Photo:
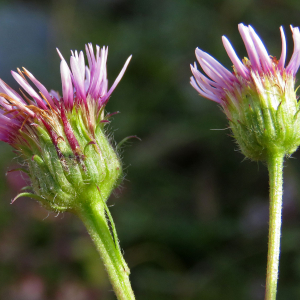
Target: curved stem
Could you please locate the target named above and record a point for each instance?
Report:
(275, 166)
(93, 217)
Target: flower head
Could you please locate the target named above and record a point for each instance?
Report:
(258, 97)
(62, 138)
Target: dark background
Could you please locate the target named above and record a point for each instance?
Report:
(192, 213)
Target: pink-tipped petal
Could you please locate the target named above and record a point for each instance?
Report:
(66, 80)
(283, 50)
(100, 85)
(26, 86)
(5, 137)
(81, 63)
(10, 92)
(5, 104)
(293, 64)
(241, 69)
(92, 55)
(7, 121)
(245, 34)
(209, 90)
(67, 87)
(78, 76)
(106, 97)
(87, 79)
(214, 64)
(88, 55)
(40, 86)
(208, 86)
(261, 51)
(21, 104)
(103, 89)
(95, 74)
(202, 93)
(213, 73)
(54, 94)
(60, 55)
(200, 77)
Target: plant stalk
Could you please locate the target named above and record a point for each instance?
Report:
(94, 218)
(275, 167)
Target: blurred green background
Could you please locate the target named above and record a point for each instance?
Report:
(192, 214)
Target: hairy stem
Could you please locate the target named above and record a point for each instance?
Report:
(275, 166)
(93, 216)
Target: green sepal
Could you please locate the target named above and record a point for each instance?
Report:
(62, 177)
(29, 195)
(265, 122)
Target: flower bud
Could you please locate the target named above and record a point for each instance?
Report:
(258, 98)
(63, 139)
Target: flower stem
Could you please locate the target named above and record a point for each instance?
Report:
(275, 166)
(93, 217)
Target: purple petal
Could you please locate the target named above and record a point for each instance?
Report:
(104, 88)
(283, 51)
(67, 87)
(96, 75)
(60, 55)
(87, 78)
(66, 81)
(26, 86)
(215, 65)
(10, 92)
(4, 137)
(78, 75)
(5, 104)
(261, 51)
(81, 63)
(40, 86)
(91, 55)
(200, 77)
(99, 91)
(244, 31)
(294, 61)
(7, 121)
(54, 94)
(206, 85)
(106, 97)
(241, 69)
(88, 56)
(202, 93)
(212, 71)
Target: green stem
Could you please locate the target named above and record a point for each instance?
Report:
(93, 217)
(275, 166)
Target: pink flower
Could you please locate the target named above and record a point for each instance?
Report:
(83, 87)
(258, 97)
(68, 156)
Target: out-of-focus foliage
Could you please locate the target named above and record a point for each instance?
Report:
(192, 214)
